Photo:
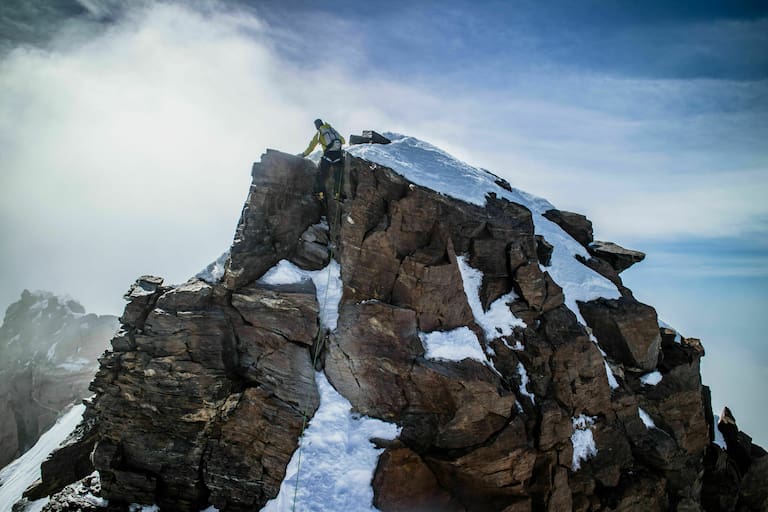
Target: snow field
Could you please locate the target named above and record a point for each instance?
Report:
(337, 459)
(21, 473)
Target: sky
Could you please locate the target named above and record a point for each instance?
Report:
(127, 133)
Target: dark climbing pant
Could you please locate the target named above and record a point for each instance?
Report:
(330, 160)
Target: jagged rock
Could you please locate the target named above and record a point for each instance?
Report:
(626, 329)
(575, 224)
(175, 412)
(721, 481)
(417, 284)
(312, 250)
(141, 298)
(375, 360)
(69, 463)
(544, 251)
(739, 444)
(618, 257)
(245, 463)
(403, 481)
(538, 288)
(280, 207)
(753, 495)
(205, 395)
(490, 475)
(49, 348)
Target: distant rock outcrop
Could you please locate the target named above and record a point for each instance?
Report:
(49, 348)
(207, 389)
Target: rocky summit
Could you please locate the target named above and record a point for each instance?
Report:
(49, 348)
(485, 326)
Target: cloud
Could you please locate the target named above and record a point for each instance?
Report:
(129, 151)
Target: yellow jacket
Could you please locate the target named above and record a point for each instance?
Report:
(318, 139)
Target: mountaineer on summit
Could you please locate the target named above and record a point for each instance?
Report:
(331, 142)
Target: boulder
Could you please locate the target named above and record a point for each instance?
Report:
(626, 329)
(575, 224)
(403, 481)
(618, 257)
(280, 207)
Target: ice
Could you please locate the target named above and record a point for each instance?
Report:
(454, 345)
(498, 320)
(337, 459)
(428, 166)
(582, 440)
(647, 420)
(327, 282)
(651, 379)
(21, 473)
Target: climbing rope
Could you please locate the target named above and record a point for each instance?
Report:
(334, 227)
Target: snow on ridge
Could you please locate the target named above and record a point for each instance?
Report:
(431, 167)
(337, 461)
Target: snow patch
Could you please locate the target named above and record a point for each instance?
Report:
(213, 273)
(647, 420)
(455, 345)
(719, 439)
(665, 325)
(21, 473)
(524, 382)
(651, 379)
(498, 320)
(135, 507)
(327, 282)
(337, 458)
(432, 167)
(611, 377)
(608, 372)
(582, 440)
(75, 365)
(52, 352)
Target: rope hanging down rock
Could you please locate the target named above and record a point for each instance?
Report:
(319, 338)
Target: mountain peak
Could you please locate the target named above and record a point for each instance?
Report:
(496, 358)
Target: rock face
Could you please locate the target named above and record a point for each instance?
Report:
(618, 257)
(49, 349)
(202, 399)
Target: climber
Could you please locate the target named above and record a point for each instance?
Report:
(331, 141)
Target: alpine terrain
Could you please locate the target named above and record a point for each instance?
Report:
(424, 337)
(49, 348)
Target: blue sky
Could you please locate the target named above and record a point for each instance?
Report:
(126, 135)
